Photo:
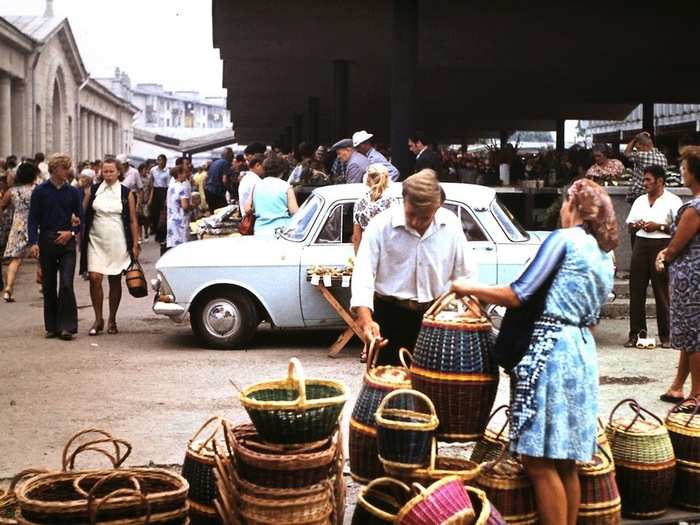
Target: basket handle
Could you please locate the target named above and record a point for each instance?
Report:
(636, 408)
(605, 453)
(114, 474)
(433, 455)
(418, 488)
(92, 512)
(503, 428)
(403, 353)
(440, 304)
(407, 391)
(296, 377)
(105, 437)
(371, 352)
(375, 483)
(473, 306)
(676, 408)
(208, 422)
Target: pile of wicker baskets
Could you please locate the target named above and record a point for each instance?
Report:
(127, 496)
(287, 467)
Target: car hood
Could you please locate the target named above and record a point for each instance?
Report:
(231, 251)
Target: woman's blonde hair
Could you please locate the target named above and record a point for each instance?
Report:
(59, 159)
(377, 178)
(596, 210)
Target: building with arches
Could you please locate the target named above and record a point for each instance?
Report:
(48, 102)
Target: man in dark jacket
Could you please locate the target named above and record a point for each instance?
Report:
(426, 158)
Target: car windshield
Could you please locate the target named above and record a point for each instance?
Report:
(510, 225)
(302, 220)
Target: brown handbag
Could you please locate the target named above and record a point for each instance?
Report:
(136, 280)
(247, 225)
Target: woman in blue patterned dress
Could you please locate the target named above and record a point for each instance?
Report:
(683, 259)
(554, 388)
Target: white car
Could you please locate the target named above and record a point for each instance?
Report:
(228, 286)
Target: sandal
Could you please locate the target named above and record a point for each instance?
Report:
(112, 328)
(8, 297)
(97, 327)
(668, 398)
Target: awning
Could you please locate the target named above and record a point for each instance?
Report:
(191, 146)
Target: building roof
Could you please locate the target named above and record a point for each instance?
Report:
(37, 28)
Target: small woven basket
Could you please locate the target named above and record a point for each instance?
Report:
(644, 461)
(600, 498)
(198, 466)
(452, 365)
(509, 489)
(277, 466)
(684, 430)
(8, 500)
(294, 410)
(380, 501)
(378, 381)
(492, 443)
(445, 501)
(406, 424)
(686, 492)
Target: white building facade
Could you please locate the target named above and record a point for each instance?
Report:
(48, 102)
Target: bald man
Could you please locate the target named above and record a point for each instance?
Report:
(408, 257)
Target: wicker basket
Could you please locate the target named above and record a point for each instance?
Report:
(203, 514)
(406, 424)
(439, 467)
(684, 430)
(378, 381)
(289, 509)
(452, 365)
(198, 466)
(277, 466)
(445, 501)
(486, 513)
(600, 498)
(686, 492)
(510, 490)
(380, 501)
(8, 500)
(294, 410)
(492, 443)
(644, 462)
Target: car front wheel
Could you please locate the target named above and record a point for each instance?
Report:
(224, 318)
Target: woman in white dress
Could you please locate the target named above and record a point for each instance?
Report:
(109, 243)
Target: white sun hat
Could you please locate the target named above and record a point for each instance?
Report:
(359, 137)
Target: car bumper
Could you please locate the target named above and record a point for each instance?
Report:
(175, 311)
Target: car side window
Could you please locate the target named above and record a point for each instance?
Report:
(472, 229)
(338, 226)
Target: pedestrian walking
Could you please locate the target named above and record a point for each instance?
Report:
(682, 257)
(356, 163)
(218, 176)
(371, 203)
(272, 199)
(408, 257)
(5, 220)
(55, 213)
(554, 388)
(143, 208)
(650, 219)
(178, 203)
(109, 243)
(17, 198)
(161, 178)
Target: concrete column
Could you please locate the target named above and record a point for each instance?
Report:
(110, 139)
(648, 118)
(341, 100)
(5, 115)
(313, 112)
(84, 133)
(561, 129)
(99, 151)
(19, 104)
(106, 149)
(403, 82)
(297, 130)
(92, 150)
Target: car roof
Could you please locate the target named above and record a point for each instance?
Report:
(472, 194)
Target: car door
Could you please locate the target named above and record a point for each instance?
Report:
(331, 246)
(485, 249)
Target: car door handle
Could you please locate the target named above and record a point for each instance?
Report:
(486, 248)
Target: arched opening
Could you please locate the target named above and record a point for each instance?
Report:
(56, 120)
(37, 131)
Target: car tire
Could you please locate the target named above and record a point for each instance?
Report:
(224, 318)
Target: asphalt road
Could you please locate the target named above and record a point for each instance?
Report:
(153, 383)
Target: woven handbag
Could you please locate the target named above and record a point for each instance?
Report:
(645, 464)
(295, 409)
(378, 381)
(452, 365)
(136, 280)
(406, 424)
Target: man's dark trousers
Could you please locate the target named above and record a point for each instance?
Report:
(216, 200)
(642, 271)
(58, 269)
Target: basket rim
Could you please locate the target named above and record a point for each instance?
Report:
(427, 422)
(466, 377)
(250, 403)
(379, 513)
(290, 461)
(474, 325)
(632, 465)
(361, 427)
(426, 493)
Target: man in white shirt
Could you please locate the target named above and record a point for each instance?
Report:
(131, 178)
(407, 258)
(650, 219)
(249, 180)
(362, 141)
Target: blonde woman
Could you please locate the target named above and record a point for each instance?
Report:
(373, 202)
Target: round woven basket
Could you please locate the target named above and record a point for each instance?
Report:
(198, 466)
(684, 430)
(294, 410)
(281, 467)
(686, 492)
(445, 501)
(644, 461)
(600, 498)
(509, 489)
(493, 441)
(452, 365)
(8, 500)
(378, 381)
(380, 501)
(406, 424)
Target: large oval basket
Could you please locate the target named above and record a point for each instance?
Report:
(684, 430)
(296, 409)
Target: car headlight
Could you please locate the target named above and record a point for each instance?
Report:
(162, 289)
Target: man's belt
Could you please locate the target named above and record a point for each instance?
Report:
(406, 304)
